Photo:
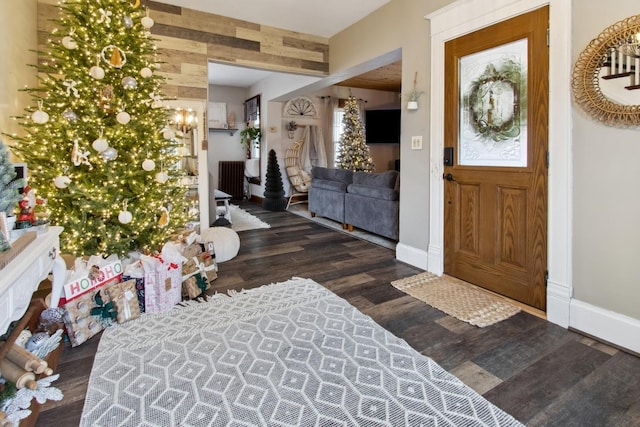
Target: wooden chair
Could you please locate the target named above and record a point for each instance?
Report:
(299, 178)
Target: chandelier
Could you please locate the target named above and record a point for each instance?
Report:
(185, 119)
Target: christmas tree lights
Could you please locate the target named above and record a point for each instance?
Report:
(97, 118)
(353, 153)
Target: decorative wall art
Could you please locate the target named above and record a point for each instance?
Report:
(493, 100)
(300, 107)
(613, 55)
(217, 115)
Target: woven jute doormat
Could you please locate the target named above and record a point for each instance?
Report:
(457, 299)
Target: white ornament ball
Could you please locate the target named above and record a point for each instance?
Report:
(162, 177)
(100, 145)
(168, 134)
(40, 117)
(96, 72)
(148, 165)
(109, 154)
(129, 83)
(69, 42)
(125, 217)
(61, 181)
(146, 72)
(123, 117)
(147, 22)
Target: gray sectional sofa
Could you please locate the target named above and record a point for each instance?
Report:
(369, 201)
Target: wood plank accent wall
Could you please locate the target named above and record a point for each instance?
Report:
(188, 39)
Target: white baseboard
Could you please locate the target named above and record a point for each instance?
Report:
(607, 325)
(412, 256)
(558, 303)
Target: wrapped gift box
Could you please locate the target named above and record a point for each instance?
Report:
(204, 264)
(92, 277)
(139, 287)
(78, 320)
(194, 286)
(162, 284)
(124, 298)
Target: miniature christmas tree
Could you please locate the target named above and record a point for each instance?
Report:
(274, 199)
(98, 142)
(353, 153)
(9, 186)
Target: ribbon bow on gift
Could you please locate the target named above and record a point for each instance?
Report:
(171, 265)
(105, 311)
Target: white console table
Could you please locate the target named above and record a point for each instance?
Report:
(21, 277)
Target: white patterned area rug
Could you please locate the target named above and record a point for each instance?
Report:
(242, 220)
(287, 354)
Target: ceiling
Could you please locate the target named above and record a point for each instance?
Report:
(322, 18)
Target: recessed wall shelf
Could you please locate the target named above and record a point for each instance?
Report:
(230, 131)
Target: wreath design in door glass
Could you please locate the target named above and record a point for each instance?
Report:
(493, 99)
(613, 54)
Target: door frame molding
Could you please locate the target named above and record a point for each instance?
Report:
(473, 15)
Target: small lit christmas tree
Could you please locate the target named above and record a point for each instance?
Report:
(9, 186)
(274, 199)
(354, 152)
(98, 142)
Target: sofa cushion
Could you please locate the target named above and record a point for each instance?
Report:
(325, 184)
(383, 180)
(340, 175)
(374, 192)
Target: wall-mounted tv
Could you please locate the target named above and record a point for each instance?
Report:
(382, 126)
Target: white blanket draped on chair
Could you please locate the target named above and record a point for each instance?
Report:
(313, 150)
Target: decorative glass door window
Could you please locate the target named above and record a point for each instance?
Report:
(493, 100)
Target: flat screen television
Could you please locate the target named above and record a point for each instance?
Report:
(382, 126)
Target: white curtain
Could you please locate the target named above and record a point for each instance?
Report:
(313, 150)
(361, 105)
(329, 105)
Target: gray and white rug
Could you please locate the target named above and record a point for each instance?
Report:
(287, 354)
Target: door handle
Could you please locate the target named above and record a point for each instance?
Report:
(448, 177)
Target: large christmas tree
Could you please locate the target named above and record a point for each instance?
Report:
(9, 186)
(98, 144)
(354, 152)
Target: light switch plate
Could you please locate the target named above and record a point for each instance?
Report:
(416, 142)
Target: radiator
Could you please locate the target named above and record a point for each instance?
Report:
(231, 178)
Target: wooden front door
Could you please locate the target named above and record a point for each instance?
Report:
(496, 126)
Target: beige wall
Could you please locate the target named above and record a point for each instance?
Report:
(18, 32)
(399, 25)
(606, 207)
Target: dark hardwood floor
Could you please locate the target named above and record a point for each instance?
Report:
(541, 374)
